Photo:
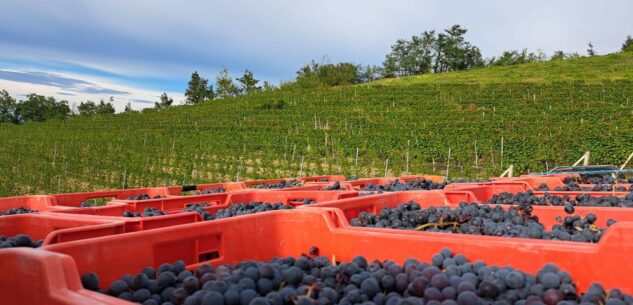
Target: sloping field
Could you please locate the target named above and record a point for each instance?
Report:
(410, 122)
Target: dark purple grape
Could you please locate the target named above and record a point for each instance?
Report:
(178, 296)
(141, 295)
(467, 298)
(117, 287)
(246, 296)
(90, 281)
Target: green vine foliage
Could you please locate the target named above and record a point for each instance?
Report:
(413, 126)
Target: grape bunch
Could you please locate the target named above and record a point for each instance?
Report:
(236, 209)
(20, 210)
(199, 208)
(305, 201)
(447, 279)
(607, 179)
(20, 240)
(476, 219)
(601, 184)
(148, 212)
(334, 186)
(396, 185)
(281, 185)
(573, 186)
(554, 200)
(145, 197)
(211, 191)
(417, 184)
(245, 208)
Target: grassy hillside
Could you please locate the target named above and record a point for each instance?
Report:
(542, 123)
(596, 69)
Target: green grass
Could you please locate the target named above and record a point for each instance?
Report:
(543, 120)
(596, 69)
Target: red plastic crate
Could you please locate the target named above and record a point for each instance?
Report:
(351, 208)
(253, 183)
(560, 176)
(553, 181)
(325, 178)
(519, 185)
(75, 199)
(484, 192)
(227, 186)
(513, 184)
(174, 204)
(293, 198)
(527, 183)
(134, 223)
(310, 183)
(302, 180)
(114, 211)
(364, 182)
(533, 182)
(317, 186)
(57, 228)
(41, 203)
(110, 209)
(436, 179)
(217, 201)
(52, 276)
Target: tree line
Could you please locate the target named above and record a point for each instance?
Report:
(429, 52)
(199, 89)
(39, 108)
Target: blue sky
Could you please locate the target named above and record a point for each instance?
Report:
(135, 50)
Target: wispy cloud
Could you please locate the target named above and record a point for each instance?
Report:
(76, 88)
(142, 101)
(48, 79)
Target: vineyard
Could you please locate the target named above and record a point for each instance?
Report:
(470, 129)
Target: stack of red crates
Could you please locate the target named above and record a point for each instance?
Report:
(78, 239)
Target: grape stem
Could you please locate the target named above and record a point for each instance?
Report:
(440, 224)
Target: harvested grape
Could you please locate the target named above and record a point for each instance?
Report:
(281, 185)
(19, 240)
(145, 197)
(20, 210)
(476, 219)
(284, 282)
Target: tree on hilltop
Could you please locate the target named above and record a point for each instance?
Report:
(7, 107)
(198, 89)
(165, 102)
(226, 86)
(590, 50)
(627, 46)
(248, 83)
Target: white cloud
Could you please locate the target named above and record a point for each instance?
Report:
(77, 88)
